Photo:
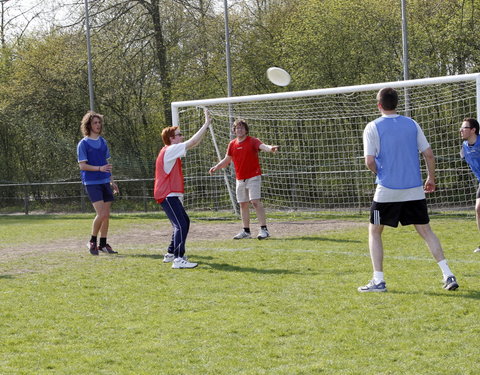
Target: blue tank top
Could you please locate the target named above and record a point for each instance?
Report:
(472, 156)
(97, 157)
(398, 163)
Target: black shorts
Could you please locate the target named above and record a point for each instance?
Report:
(410, 212)
(99, 192)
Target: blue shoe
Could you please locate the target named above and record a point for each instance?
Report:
(450, 283)
(372, 287)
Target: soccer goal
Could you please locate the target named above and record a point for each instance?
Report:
(320, 164)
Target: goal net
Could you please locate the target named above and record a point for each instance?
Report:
(320, 163)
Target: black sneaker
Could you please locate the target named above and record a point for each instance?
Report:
(107, 249)
(450, 283)
(92, 246)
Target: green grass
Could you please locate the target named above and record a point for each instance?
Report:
(280, 306)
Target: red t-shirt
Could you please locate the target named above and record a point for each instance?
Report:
(245, 157)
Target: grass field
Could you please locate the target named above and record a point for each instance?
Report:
(286, 305)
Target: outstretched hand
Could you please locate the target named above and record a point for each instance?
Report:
(275, 148)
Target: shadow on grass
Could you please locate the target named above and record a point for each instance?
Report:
(313, 238)
(6, 277)
(229, 268)
(204, 261)
(455, 294)
(151, 256)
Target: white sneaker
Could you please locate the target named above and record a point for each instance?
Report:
(242, 235)
(182, 263)
(262, 234)
(167, 258)
(477, 250)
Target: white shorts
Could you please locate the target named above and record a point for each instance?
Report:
(249, 189)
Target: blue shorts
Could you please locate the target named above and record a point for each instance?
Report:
(99, 192)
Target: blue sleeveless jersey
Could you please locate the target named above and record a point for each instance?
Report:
(94, 156)
(472, 156)
(398, 163)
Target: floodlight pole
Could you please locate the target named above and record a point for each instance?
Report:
(89, 56)
(406, 75)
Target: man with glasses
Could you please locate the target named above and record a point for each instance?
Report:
(391, 147)
(470, 151)
(168, 188)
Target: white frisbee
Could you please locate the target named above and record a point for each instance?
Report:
(278, 76)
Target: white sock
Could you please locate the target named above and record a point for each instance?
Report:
(378, 277)
(445, 268)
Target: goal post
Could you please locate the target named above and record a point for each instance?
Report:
(320, 164)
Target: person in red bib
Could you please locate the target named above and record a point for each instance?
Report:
(243, 151)
(168, 188)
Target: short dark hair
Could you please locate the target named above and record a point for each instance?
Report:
(240, 122)
(473, 124)
(388, 98)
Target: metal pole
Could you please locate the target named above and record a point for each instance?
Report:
(89, 56)
(227, 49)
(406, 73)
(229, 93)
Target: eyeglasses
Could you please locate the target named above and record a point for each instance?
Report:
(465, 127)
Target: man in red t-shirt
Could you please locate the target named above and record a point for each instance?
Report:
(243, 151)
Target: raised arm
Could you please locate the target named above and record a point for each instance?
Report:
(198, 136)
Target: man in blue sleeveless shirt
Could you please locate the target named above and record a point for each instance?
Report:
(470, 151)
(96, 172)
(391, 147)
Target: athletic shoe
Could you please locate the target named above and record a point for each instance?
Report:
(372, 287)
(107, 249)
(477, 250)
(262, 234)
(242, 235)
(450, 283)
(182, 263)
(92, 246)
(168, 257)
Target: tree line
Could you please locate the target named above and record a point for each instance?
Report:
(148, 53)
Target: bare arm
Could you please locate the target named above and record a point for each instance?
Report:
(198, 136)
(268, 148)
(100, 168)
(95, 168)
(370, 163)
(429, 185)
(221, 164)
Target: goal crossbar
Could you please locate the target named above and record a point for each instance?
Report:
(320, 163)
(326, 91)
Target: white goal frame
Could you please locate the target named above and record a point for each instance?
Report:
(180, 106)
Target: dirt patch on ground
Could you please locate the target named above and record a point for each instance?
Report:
(159, 235)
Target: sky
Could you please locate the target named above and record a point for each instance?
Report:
(34, 14)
